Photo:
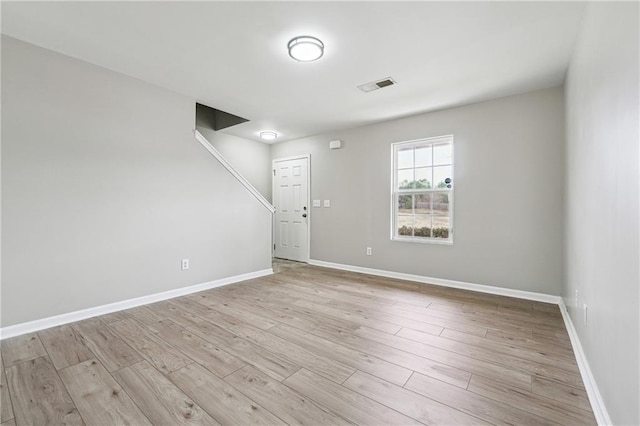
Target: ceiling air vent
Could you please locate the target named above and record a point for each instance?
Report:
(375, 85)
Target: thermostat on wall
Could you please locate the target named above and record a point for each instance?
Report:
(335, 144)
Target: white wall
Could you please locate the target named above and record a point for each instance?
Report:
(252, 159)
(602, 212)
(508, 194)
(105, 189)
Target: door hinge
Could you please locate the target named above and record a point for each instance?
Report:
(274, 246)
(274, 172)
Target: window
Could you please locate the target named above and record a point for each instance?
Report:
(422, 190)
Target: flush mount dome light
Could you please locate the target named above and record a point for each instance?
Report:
(306, 49)
(268, 136)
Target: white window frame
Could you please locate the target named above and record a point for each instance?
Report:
(395, 147)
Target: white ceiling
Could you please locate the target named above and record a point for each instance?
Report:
(232, 55)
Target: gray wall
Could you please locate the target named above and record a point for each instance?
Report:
(104, 190)
(252, 159)
(508, 194)
(602, 214)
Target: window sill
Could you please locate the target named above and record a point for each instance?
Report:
(441, 242)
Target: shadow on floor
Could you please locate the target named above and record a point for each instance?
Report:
(281, 265)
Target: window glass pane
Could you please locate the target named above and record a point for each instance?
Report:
(423, 156)
(442, 154)
(441, 223)
(422, 169)
(423, 178)
(405, 225)
(405, 204)
(440, 174)
(422, 225)
(422, 204)
(405, 158)
(405, 179)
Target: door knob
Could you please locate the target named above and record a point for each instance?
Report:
(304, 215)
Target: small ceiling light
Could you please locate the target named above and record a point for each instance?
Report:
(306, 49)
(268, 136)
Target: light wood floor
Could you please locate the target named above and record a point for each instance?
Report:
(308, 346)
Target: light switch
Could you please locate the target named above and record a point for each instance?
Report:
(327, 203)
(316, 203)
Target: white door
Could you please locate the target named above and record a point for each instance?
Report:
(291, 200)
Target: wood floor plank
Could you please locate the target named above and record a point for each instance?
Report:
(542, 406)
(444, 356)
(230, 314)
(530, 317)
(476, 352)
(409, 403)
(443, 319)
(268, 362)
(38, 395)
(189, 304)
(494, 412)
(445, 372)
(295, 316)
(557, 375)
(540, 355)
(352, 406)
(559, 341)
(155, 350)
(173, 312)
(465, 323)
(110, 349)
(394, 316)
(353, 358)
(566, 394)
(211, 357)
(222, 401)
(353, 317)
(381, 293)
(280, 400)
(548, 308)
(193, 304)
(529, 343)
(6, 409)
(143, 314)
(158, 398)
(318, 363)
(99, 397)
(22, 348)
(65, 346)
(331, 294)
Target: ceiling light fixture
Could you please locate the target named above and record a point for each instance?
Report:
(268, 136)
(305, 49)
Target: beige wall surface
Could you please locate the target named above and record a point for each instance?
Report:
(105, 190)
(602, 202)
(508, 194)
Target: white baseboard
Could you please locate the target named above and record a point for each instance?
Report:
(595, 398)
(480, 288)
(41, 324)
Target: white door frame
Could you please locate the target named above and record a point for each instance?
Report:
(273, 189)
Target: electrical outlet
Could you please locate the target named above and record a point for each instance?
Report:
(185, 264)
(368, 251)
(585, 308)
(327, 203)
